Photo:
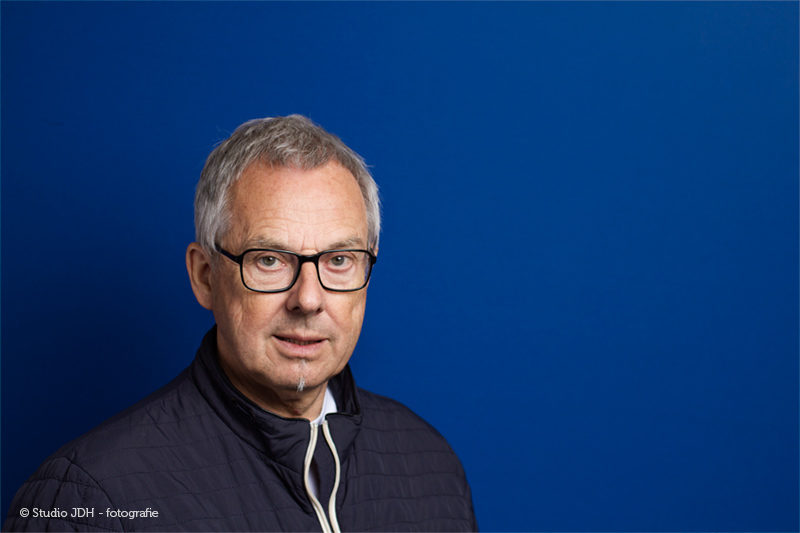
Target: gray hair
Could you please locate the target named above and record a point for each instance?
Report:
(292, 141)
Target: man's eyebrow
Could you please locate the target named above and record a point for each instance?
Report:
(347, 243)
(262, 242)
(265, 243)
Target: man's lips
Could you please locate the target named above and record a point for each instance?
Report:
(300, 340)
(302, 346)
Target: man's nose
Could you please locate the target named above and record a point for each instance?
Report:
(307, 295)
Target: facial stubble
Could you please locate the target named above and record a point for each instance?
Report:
(301, 380)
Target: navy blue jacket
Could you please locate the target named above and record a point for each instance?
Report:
(199, 456)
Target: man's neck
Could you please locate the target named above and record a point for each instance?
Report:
(290, 404)
(309, 406)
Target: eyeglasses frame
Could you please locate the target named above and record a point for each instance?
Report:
(314, 258)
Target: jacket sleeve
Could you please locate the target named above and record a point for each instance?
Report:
(474, 519)
(61, 496)
(467, 508)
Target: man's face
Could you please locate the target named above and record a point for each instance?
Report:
(281, 343)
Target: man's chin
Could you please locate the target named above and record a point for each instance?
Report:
(300, 384)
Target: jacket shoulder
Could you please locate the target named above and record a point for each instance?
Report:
(160, 419)
(404, 462)
(385, 415)
(92, 470)
(46, 501)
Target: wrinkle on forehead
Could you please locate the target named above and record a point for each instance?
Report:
(305, 209)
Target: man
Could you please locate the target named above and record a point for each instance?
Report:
(266, 429)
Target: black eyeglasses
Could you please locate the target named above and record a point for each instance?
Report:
(267, 270)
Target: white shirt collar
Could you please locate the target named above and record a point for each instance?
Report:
(328, 406)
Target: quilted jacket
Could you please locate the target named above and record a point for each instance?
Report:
(197, 455)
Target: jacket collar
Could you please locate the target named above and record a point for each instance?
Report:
(282, 440)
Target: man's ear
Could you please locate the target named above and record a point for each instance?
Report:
(198, 264)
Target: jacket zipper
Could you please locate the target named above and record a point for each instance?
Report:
(333, 525)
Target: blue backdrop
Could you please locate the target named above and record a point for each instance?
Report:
(588, 279)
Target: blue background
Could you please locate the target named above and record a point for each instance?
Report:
(588, 278)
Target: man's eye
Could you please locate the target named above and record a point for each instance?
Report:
(268, 261)
(339, 261)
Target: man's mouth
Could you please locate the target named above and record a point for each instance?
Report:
(299, 341)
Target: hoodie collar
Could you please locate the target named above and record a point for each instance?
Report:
(283, 440)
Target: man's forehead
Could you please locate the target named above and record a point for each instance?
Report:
(289, 234)
(265, 185)
(288, 207)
